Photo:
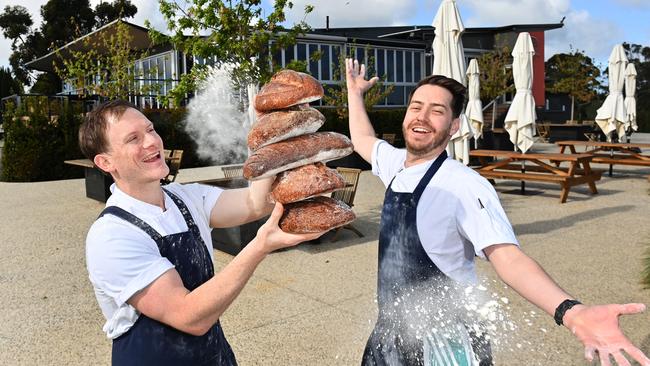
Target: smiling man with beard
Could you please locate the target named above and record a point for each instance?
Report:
(437, 216)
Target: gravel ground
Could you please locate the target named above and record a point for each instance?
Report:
(313, 304)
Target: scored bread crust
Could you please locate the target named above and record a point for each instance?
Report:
(288, 88)
(294, 152)
(304, 182)
(281, 125)
(315, 215)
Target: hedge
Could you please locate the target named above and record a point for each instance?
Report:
(39, 136)
(36, 144)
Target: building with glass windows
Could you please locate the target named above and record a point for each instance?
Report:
(400, 55)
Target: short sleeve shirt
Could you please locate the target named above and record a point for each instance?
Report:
(458, 215)
(122, 259)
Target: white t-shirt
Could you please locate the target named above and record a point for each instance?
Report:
(122, 259)
(458, 215)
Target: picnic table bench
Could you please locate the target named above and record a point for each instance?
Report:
(609, 152)
(508, 165)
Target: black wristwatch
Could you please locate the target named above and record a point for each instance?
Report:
(563, 308)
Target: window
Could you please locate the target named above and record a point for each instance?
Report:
(408, 66)
(399, 63)
(390, 65)
(325, 63)
(313, 64)
(302, 51)
(381, 63)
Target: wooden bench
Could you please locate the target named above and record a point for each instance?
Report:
(508, 165)
(610, 153)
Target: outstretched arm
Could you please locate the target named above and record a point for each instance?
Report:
(361, 131)
(195, 312)
(595, 326)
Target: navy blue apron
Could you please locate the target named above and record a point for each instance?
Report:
(404, 267)
(150, 342)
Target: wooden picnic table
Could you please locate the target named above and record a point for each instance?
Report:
(610, 152)
(508, 165)
(97, 182)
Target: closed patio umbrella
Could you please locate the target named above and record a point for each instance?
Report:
(449, 60)
(630, 100)
(611, 115)
(474, 109)
(520, 119)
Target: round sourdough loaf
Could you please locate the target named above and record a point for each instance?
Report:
(287, 88)
(314, 215)
(304, 182)
(281, 125)
(294, 152)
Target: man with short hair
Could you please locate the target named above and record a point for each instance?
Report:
(149, 254)
(437, 216)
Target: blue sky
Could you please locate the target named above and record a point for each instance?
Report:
(593, 26)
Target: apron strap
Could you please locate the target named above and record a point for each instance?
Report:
(417, 193)
(131, 218)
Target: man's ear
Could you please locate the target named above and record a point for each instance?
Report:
(103, 162)
(455, 125)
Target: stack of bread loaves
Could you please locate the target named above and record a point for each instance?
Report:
(284, 142)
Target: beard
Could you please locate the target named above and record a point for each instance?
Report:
(439, 139)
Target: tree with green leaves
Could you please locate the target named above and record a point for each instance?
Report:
(15, 22)
(63, 21)
(233, 32)
(640, 56)
(105, 65)
(496, 77)
(106, 12)
(8, 84)
(338, 94)
(574, 74)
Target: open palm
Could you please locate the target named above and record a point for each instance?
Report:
(355, 77)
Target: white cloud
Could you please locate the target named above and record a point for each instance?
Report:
(581, 30)
(353, 13)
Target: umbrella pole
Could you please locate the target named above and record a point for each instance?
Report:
(611, 153)
(523, 170)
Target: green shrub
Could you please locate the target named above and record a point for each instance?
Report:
(39, 136)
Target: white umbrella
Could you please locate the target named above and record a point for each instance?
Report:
(611, 115)
(449, 60)
(630, 101)
(520, 120)
(474, 109)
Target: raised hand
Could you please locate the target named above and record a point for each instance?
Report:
(597, 328)
(355, 77)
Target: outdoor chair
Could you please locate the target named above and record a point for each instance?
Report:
(543, 131)
(233, 171)
(173, 159)
(388, 137)
(351, 177)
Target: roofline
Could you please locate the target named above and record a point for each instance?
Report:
(85, 36)
(411, 28)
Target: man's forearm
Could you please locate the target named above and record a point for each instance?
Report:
(360, 125)
(529, 279)
(211, 299)
(258, 197)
